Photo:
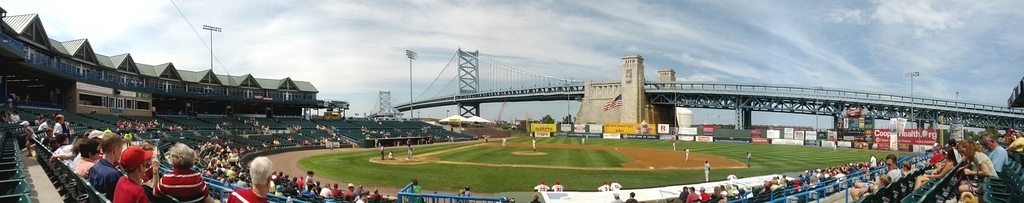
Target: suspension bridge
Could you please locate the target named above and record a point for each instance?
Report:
(473, 78)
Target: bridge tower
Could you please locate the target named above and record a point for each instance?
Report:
(635, 106)
(469, 83)
(632, 89)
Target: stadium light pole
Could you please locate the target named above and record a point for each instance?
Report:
(211, 29)
(912, 75)
(412, 56)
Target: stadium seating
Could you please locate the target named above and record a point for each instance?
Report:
(305, 124)
(190, 123)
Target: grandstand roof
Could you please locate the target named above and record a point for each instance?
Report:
(20, 22)
(29, 27)
(148, 70)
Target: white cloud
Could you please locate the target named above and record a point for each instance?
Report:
(918, 14)
(352, 49)
(843, 15)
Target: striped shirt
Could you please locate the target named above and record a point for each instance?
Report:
(184, 184)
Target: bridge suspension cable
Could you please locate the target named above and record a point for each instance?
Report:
(486, 73)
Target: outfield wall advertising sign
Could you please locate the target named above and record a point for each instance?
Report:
(708, 130)
(667, 137)
(579, 128)
(686, 138)
(811, 143)
(688, 131)
(540, 127)
(788, 133)
(756, 133)
(773, 134)
(640, 137)
(828, 144)
(565, 128)
(799, 135)
(705, 139)
(610, 136)
(918, 137)
(788, 142)
(593, 128)
(732, 141)
(845, 144)
(664, 129)
(629, 128)
(810, 135)
(760, 140)
(542, 134)
(833, 135)
(577, 135)
(848, 138)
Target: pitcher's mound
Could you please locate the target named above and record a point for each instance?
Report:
(405, 161)
(529, 153)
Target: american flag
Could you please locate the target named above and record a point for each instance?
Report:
(617, 102)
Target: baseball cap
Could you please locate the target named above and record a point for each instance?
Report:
(24, 123)
(541, 182)
(134, 156)
(351, 185)
(96, 134)
(558, 183)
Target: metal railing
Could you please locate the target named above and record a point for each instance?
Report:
(830, 187)
(406, 195)
(14, 43)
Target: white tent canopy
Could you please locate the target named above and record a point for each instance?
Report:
(477, 119)
(457, 117)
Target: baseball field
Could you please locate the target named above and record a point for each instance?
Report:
(490, 167)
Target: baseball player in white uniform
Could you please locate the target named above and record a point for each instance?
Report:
(604, 188)
(707, 171)
(584, 141)
(410, 151)
(558, 186)
(687, 153)
(673, 146)
(534, 144)
(615, 186)
(541, 187)
(503, 140)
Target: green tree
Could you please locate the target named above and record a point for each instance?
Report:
(567, 119)
(547, 119)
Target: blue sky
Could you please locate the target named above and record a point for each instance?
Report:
(352, 49)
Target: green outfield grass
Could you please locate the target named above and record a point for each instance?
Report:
(555, 157)
(768, 159)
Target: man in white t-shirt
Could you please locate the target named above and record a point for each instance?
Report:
(731, 176)
(541, 187)
(58, 125)
(558, 186)
(615, 186)
(43, 126)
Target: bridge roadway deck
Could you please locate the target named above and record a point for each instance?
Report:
(763, 97)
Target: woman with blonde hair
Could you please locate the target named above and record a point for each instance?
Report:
(980, 165)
